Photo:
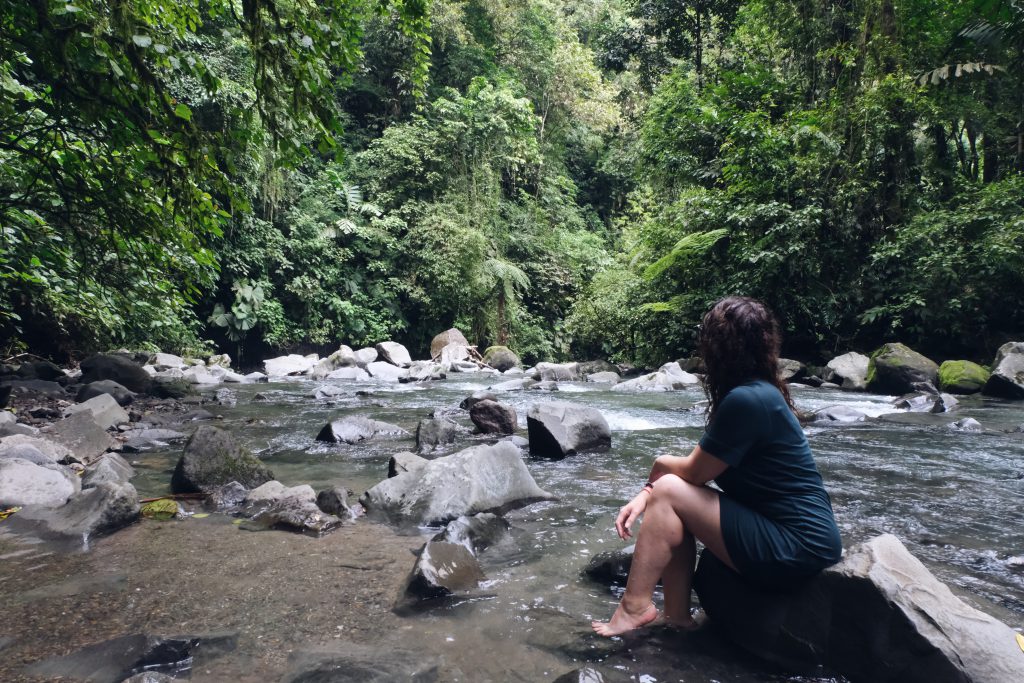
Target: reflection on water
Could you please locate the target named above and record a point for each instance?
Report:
(952, 498)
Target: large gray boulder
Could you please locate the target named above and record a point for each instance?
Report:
(105, 410)
(898, 369)
(878, 616)
(365, 356)
(101, 509)
(212, 458)
(669, 377)
(386, 372)
(850, 371)
(353, 374)
(292, 364)
(557, 429)
(478, 479)
(273, 505)
(166, 361)
(394, 353)
(110, 468)
(501, 358)
(105, 386)
(344, 357)
(117, 368)
(30, 481)
(491, 417)
(52, 450)
(356, 428)
(790, 370)
(557, 372)
(83, 436)
(1007, 379)
(435, 432)
(443, 339)
(403, 462)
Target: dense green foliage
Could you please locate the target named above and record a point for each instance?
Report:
(566, 178)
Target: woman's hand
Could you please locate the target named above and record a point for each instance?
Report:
(630, 512)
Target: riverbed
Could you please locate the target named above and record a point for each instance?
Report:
(952, 498)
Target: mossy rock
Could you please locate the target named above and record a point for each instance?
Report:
(962, 377)
(501, 358)
(895, 369)
(162, 509)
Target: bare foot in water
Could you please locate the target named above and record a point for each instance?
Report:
(623, 621)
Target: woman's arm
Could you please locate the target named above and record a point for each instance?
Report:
(699, 467)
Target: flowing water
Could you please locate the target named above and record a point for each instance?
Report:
(952, 498)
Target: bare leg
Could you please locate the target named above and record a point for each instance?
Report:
(678, 512)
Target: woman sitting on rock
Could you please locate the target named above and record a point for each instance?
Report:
(772, 520)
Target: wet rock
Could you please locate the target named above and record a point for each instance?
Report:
(120, 658)
(514, 385)
(105, 386)
(386, 372)
(110, 468)
(105, 410)
(1007, 378)
(501, 358)
(118, 368)
(669, 377)
(850, 371)
(137, 440)
(334, 501)
(791, 370)
(491, 417)
(212, 458)
(52, 450)
(403, 462)
(842, 414)
(478, 479)
(557, 372)
(330, 391)
(557, 429)
(895, 369)
(352, 374)
(274, 491)
(292, 364)
(545, 385)
(962, 377)
(82, 435)
(604, 377)
(226, 397)
(394, 353)
(176, 389)
(366, 356)
(100, 509)
(356, 428)
(443, 569)
(968, 424)
(351, 663)
(927, 403)
(435, 432)
(879, 615)
(424, 371)
(254, 377)
(344, 357)
(593, 674)
(468, 402)
(475, 533)
(443, 339)
(592, 367)
(31, 482)
(226, 497)
(295, 514)
(611, 567)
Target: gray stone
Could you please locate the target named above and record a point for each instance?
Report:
(334, 501)
(453, 354)
(394, 353)
(878, 616)
(110, 468)
(927, 403)
(353, 374)
(557, 372)
(491, 417)
(199, 374)
(356, 428)
(592, 367)
(104, 409)
(342, 358)
(366, 356)
(386, 372)
(52, 450)
(424, 371)
(443, 339)
(350, 663)
(967, 424)
(478, 479)
(475, 533)
(166, 361)
(557, 429)
(101, 509)
(144, 439)
(105, 386)
(443, 569)
(790, 370)
(38, 387)
(9, 425)
(34, 483)
(545, 385)
(254, 377)
(118, 368)
(435, 432)
(25, 452)
(610, 568)
(403, 462)
(604, 377)
(43, 369)
(514, 385)
(669, 377)
(468, 402)
(842, 414)
(226, 497)
(221, 359)
(850, 371)
(896, 368)
(213, 458)
(1007, 378)
(274, 491)
(292, 364)
(501, 358)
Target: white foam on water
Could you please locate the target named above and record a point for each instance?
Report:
(626, 422)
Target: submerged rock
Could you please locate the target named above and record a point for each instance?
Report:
(213, 458)
(443, 569)
(356, 428)
(843, 414)
(478, 479)
(968, 424)
(879, 615)
(476, 533)
(558, 428)
(611, 567)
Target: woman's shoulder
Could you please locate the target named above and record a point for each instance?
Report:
(756, 391)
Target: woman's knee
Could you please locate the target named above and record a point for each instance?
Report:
(683, 495)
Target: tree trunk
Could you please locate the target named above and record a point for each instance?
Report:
(502, 327)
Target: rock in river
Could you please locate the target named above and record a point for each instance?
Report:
(212, 458)
(559, 428)
(491, 417)
(435, 432)
(898, 369)
(478, 479)
(962, 377)
(1007, 379)
(356, 428)
(394, 353)
(33, 481)
(878, 616)
(443, 569)
(501, 358)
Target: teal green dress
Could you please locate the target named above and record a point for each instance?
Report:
(776, 516)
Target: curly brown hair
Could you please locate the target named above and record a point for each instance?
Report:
(739, 341)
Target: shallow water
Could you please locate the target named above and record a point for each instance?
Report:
(952, 498)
